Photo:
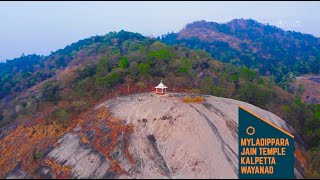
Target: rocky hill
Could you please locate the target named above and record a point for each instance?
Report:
(135, 136)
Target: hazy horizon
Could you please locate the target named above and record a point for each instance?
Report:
(43, 27)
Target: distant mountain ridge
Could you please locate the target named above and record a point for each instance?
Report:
(270, 50)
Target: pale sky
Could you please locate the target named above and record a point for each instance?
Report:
(42, 27)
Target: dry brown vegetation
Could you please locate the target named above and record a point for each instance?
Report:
(20, 144)
(117, 128)
(60, 172)
(197, 99)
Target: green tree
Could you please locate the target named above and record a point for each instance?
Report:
(248, 73)
(51, 91)
(62, 116)
(109, 80)
(207, 85)
(255, 94)
(123, 63)
(103, 67)
(103, 81)
(144, 69)
(133, 69)
(141, 84)
(186, 67)
(234, 78)
(163, 54)
(300, 89)
(298, 101)
(114, 78)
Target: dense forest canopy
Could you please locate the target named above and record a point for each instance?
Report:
(69, 80)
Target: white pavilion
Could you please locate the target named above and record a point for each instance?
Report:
(161, 88)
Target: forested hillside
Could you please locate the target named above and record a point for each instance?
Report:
(268, 49)
(57, 88)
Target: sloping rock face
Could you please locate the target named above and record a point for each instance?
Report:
(185, 140)
(151, 136)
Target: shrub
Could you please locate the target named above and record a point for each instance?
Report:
(51, 91)
(62, 116)
(141, 84)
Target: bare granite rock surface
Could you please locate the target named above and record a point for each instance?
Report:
(196, 140)
(170, 139)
